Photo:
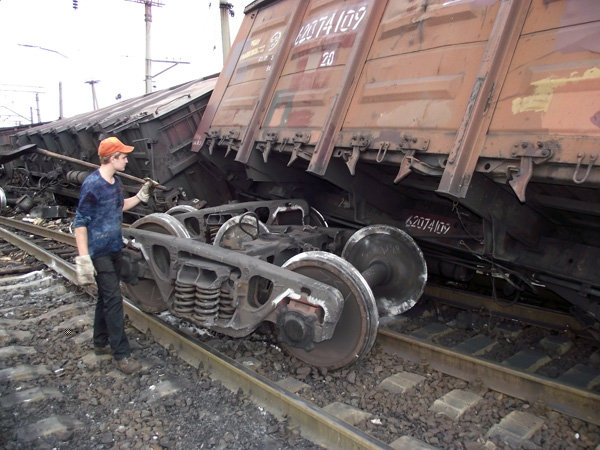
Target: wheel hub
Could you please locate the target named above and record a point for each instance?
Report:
(296, 329)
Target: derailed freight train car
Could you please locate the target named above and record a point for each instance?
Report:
(160, 126)
(472, 125)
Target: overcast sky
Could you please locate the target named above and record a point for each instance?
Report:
(44, 42)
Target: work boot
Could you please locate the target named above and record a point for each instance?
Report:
(102, 350)
(128, 365)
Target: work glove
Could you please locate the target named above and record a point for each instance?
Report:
(146, 191)
(85, 270)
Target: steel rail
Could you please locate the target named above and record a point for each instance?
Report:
(56, 235)
(54, 262)
(314, 424)
(584, 405)
(541, 317)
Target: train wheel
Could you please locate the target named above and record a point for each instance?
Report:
(356, 329)
(239, 229)
(145, 293)
(399, 254)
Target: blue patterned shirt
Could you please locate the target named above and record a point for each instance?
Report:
(100, 210)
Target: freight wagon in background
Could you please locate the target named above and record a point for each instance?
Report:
(159, 125)
(474, 125)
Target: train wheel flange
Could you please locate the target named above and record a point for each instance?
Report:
(392, 263)
(356, 329)
(145, 293)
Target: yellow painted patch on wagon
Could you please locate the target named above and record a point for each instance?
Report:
(544, 89)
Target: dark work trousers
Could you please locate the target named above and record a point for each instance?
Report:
(109, 323)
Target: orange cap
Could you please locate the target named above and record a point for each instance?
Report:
(112, 145)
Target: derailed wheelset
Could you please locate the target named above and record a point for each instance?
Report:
(267, 263)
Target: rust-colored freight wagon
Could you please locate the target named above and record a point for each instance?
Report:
(472, 124)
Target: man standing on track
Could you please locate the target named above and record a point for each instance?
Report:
(99, 240)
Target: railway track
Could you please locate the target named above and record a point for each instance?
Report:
(394, 398)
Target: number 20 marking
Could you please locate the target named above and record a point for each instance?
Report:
(327, 59)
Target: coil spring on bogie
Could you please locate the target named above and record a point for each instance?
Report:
(226, 306)
(207, 304)
(212, 232)
(202, 304)
(185, 298)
